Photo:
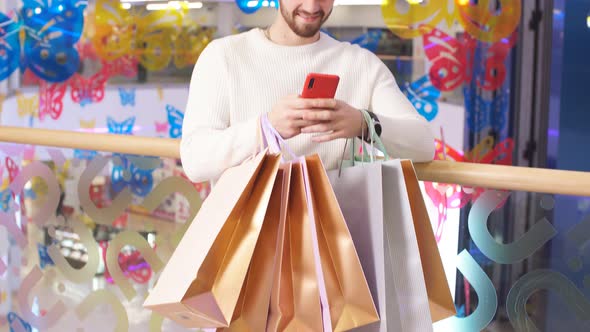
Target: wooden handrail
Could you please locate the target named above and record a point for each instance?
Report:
(468, 174)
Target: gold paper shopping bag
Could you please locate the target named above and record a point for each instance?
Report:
(201, 283)
(439, 294)
(251, 312)
(295, 302)
(351, 302)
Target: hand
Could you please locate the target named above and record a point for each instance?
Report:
(336, 119)
(287, 115)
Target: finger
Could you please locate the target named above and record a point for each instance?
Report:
(327, 137)
(319, 115)
(307, 103)
(303, 123)
(318, 128)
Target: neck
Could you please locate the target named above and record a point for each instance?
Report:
(280, 33)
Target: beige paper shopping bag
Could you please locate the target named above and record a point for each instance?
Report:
(251, 312)
(439, 294)
(201, 283)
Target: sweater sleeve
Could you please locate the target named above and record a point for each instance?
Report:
(210, 143)
(405, 133)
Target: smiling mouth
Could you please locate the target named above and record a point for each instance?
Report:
(309, 18)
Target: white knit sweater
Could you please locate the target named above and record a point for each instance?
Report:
(239, 77)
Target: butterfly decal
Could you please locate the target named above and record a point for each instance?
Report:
(481, 113)
(86, 154)
(454, 196)
(27, 106)
(122, 128)
(2, 98)
(51, 29)
(5, 199)
(453, 61)
(369, 40)
(125, 65)
(17, 324)
(88, 90)
(423, 95)
(127, 96)
(51, 99)
(161, 128)
(175, 118)
(136, 173)
(160, 93)
(12, 168)
(44, 258)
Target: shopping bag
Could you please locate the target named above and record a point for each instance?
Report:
(439, 295)
(344, 297)
(349, 297)
(251, 311)
(377, 201)
(201, 283)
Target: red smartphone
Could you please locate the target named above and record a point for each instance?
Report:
(320, 86)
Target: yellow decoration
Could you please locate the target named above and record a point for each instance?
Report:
(160, 93)
(486, 23)
(27, 106)
(404, 17)
(2, 98)
(90, 124)
(189, 44)
(145, 34)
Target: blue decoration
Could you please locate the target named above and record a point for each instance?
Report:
(369, 40)
(423, 95)
(52, 28)
(5, 199)
(17, 324)
(251, 6)
(127, 96)
(84, 154)
(122, 128)
(175, 118)
(9, 46)
(484, 113)
(44, 258)
(137, 175)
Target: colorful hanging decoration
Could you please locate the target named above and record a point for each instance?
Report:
(51, 99)
(423, 95)
(369, 40)
(175, 118)
(250, 7)
(453, 61)
(189, 44)
(49, 32)
(127, 174)
(147, 35)
(9, 46)
(489, 20)
(482, 113)
(404, 18)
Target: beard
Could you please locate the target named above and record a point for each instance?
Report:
(304, 30)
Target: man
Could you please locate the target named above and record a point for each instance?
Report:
(240, 77)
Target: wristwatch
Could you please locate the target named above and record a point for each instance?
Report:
(376, 125)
